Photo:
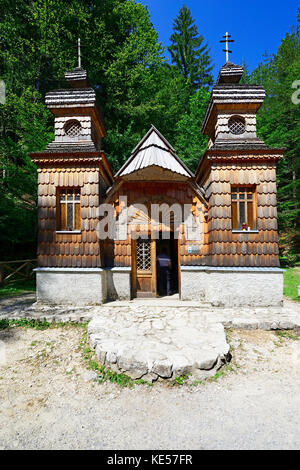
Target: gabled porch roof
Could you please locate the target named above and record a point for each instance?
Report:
(154, 150)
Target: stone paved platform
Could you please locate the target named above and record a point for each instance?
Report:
(270, 318)
(167, 338)
(153, 338)
(156, 343)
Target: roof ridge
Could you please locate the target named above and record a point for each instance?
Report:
(168, 148)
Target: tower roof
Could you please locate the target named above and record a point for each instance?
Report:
(230, 73)
(77, 78)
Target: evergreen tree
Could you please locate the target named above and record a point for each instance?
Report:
(279, 125)
(190, 143)
(188, 51)
(37, 45)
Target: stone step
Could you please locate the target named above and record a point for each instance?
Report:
(160, 347)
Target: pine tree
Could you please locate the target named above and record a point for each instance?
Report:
(188, 51)
(279, 125)
(190, 143)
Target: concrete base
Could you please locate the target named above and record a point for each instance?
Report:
(232, 287)
(71, 286)
(82, 286)
(118, 282)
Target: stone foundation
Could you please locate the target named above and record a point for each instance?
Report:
(71, 286)
(82, 286)
(118, 282)
(232, 287)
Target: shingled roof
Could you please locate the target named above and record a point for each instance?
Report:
(154, 150)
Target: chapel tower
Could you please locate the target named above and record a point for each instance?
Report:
(238, 174)
(73, 177)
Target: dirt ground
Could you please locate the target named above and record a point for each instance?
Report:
(47, 402)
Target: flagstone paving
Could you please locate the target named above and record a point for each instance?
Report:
(154, 344)
(154, 338)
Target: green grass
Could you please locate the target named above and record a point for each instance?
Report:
(17, 288)
(104, 373)
(38, 324)
(291, 283)
(288, 335)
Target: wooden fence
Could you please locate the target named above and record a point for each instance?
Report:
(11, 271)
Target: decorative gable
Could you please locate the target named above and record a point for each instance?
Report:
(154, 151)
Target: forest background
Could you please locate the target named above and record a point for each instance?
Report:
(136, 86)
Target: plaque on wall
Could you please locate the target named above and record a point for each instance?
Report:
(193, 249)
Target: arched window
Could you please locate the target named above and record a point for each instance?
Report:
(72, 128)
(237, 125)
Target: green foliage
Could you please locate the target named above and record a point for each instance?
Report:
(189, 54)
(105, 374)
(291, 283)
(190, 143)
(126, 65)
(135, 88)
(38, 324)
(287, 335)
(17, 288)
(279, 126)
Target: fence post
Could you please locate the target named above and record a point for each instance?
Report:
(27, 271)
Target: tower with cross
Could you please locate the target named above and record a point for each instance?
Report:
(227, 40)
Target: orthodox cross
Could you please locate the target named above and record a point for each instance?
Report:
(227, 41)
(79, 53)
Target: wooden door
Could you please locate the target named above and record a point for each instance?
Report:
(144, 268)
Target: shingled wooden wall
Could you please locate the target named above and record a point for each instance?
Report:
(227, 248)
(158, 193)
(70, 249)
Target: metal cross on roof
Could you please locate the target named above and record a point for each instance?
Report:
(79, 53)
(227, 41)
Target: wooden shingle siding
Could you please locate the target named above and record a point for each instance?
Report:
(64, 249)
(158, 193)
(227, 248)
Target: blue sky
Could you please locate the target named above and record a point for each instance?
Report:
(256, 26)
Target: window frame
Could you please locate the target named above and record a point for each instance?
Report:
(245, 189)
(234, 118)
(76, 224)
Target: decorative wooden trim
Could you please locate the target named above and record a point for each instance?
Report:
(134, 269)
(153, 265)
(68, 231)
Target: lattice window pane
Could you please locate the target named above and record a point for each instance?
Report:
(73, 129)
(237, 125)
(143, 255)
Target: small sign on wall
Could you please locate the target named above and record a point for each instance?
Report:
(193, 249)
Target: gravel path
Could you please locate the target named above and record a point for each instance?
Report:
(47, 404)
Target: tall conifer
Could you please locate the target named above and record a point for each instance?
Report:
(188, 51)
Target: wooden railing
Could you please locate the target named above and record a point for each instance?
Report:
(11, 271)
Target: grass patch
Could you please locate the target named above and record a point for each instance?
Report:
(17, 288)
(288, 335)
(222, 372)
(180, 380)
(37, 324)
(105, 374)
(291, 283)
